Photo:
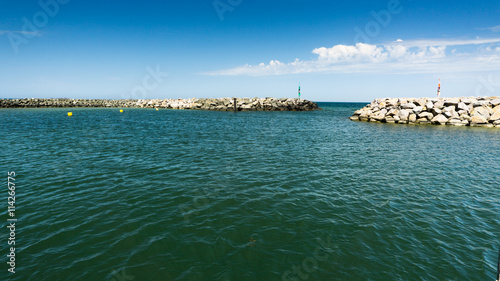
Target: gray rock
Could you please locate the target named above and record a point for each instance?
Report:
(392, 111)
(479, 103)
(439, 104)
(481, 111)
(423, 121)
(449, 108)
(427, 115)
(429, 105)
(451, 101)
(380, 116)
(465, 117)
(418, 109)
(495, 102)
(408, 106)
(495, 116)
(455, 122)
(436, 111)
(403, 115)
(420, 102)
(477, 119)
(468, 100)
(412, 118)
(462, 106)
(439, 119)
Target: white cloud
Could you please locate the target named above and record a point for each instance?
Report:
(413, 56)
(359, 52)
(493, 28)
(448, 42)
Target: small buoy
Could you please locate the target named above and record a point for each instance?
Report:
(121, 110)
(156, 108)
(70, 113)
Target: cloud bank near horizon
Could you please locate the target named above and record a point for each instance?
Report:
(414, 56)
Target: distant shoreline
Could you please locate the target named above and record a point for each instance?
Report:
(463, 111)
(218, 104)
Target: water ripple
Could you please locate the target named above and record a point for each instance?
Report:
(195, 195)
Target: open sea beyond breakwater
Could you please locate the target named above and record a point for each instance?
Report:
(210, 195)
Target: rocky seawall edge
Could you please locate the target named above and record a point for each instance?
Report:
(463, 111)
(219, 104)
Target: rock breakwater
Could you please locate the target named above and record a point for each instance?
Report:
(220, 104)
(464, 111)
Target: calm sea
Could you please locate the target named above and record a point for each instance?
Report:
(198, 195)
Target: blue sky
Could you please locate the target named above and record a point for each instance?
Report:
(337, 50)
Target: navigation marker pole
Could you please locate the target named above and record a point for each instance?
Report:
(299, 90)
(439, 88)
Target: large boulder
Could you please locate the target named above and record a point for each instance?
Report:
(451, 101)
(417, 109)
(380, 116)
(468, 100)
(480, 103)
(421, 102)
(439, 119)
(436, 111)
(495, 116)
(404, 114)
(456, 122)
(412, 118)
(423, 121)
(439, 104)
(408, 106)
(495, 102)
(462, 106)
(390, 119)
(482, 111)
(427, 115)
(429, 105)
(477, 119)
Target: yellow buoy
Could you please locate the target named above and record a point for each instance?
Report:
(70, 113)
(157, 109)
(121, 110)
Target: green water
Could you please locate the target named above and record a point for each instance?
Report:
(197, 195)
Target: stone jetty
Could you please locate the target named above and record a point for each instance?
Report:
(464, 111)
(219, 104)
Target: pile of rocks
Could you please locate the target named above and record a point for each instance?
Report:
(34, 102)
(227, 104)
(465, 111)
(221, 104)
